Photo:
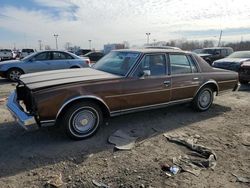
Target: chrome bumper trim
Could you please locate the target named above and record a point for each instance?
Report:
(236, 87)
(25, 120)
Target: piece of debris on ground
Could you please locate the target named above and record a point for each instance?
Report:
(122, 140)
(203, 158)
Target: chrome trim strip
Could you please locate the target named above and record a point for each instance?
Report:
(207, 82)
(47, 123)
(226, 81)
(145, 92)
(81, 97)
(148, 107)
(137, 93)
(22, 118)
(195, 85)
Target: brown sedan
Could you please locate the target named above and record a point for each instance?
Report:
(123, 81)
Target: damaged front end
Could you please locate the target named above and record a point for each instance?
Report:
(22, 106)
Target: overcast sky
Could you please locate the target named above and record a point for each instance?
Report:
(24, 22)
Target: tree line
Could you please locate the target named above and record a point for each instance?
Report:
(190, 45)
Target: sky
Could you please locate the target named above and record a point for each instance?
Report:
(24, 22)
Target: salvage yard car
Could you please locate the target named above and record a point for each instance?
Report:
(237, 61)
(5, 54)
(121, 82)
(41, 61)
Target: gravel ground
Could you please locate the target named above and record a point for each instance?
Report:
(30, 159)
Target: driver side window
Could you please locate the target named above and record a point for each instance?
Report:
(154, 65)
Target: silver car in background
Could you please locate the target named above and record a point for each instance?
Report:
(41, 61)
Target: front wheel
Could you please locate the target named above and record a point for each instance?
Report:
(82, 120)
(204, 99)
(14, 74)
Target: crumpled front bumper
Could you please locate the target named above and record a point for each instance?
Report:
(24, 119)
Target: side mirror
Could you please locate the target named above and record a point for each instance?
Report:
(145, 73)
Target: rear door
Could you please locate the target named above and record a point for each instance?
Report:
(185, 76)
(60, 60)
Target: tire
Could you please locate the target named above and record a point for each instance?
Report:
(82, 120)
(14, 74)
(243, 82)
(203, 100)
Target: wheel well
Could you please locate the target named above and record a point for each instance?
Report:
(13, 68)
(213, 86)
(102, 106)
(74, 67)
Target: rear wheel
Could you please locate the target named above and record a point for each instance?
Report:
(82, 120)
(14, 74)
(204, 99)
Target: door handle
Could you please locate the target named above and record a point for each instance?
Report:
(166, 83)
(196, 78)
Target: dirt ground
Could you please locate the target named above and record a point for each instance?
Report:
(30, 159)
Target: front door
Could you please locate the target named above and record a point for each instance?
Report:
(148, 85)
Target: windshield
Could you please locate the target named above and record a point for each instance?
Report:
(29, 56)
(117, 62)
(243, 54)
(207, 51)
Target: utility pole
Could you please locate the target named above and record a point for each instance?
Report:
(220, 38)
(148, 37)
(40, 44)
(90, 44)
(56, 36)
(154, 42)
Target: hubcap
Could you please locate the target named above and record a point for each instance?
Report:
(83, 121)
(15, 74)
(204, 99)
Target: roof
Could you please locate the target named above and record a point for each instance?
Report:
(218, 48)
(149, 50)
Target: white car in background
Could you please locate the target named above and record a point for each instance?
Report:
(5, 54)
(25, 52)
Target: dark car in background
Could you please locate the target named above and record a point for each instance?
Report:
(94, 56)
(212, 54)
(82, 52)
(238, 61)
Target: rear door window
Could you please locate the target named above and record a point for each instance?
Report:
(181, 64)
(60, 56)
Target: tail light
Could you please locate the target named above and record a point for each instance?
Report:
(88, 62)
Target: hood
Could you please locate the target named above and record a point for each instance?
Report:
(10, 62)
(229, 63)
(59, 77)
(232, 60)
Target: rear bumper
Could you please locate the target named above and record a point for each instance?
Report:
(22, 118)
